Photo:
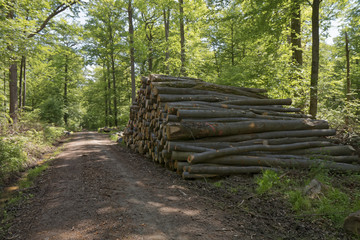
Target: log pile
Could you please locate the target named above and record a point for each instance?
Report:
(202, 129)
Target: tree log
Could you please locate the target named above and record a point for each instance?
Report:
(273, 134)
(226, 170)
(177, 98)
(182, 113)
(166, 78)
(201, 157)
(187, 176)
(340, 150)
(258, 102)
(180, 156)
(193, 130)
(184, 147)
(298, 163)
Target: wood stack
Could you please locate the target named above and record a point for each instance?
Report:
(202, 129)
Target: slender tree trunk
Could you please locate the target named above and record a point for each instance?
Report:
(66, 115)
(21, 81)
(114, 87)
(109, 89)
(132, 51)
(106, 96)
(112, 58)
(182, 39)
(232, 46)
(13, 92)
(24, 84)
(296, 32)
(13, 77)
(315, 58)
(348, 80)
(167, 29)
(4, 103)
(150, 48)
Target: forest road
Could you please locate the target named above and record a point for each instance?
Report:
(96, 189)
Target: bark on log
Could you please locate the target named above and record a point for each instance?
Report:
(195, 130)
(298, 163)
(258, 102)
(174, 146)
(272, 134)
(341, 150)
(193, 146)
(166, 78)
(180, 156)
(201, 157)
(188, 176)
(226, 170)
(177, 98)
(182, 113)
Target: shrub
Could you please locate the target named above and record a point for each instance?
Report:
(12, 157)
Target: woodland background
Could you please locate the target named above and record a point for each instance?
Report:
(83, 74)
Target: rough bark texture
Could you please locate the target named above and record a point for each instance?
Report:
(13, 92)
(182, 38)
(166, 13)
(24, 84)
(132, 50)
(195, 130)
(296, 32)
(315, 58)
(66, 91)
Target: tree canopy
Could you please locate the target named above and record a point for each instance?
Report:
(77, 63)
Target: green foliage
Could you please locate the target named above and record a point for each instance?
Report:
(51, 111)
(267, 181)
(12, 157)
(31, 176)
(218, 184)
(52, 133)
(298, 201)
(18, 151)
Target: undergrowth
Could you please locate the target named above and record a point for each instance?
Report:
(22, 145)
(335, 202)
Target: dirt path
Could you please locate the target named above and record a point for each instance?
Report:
(98, 190)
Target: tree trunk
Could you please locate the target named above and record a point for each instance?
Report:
(4, 102)
(114, 88)
(232, 45)
(21, 81)
(109, 90)
(182, 39)
(13, 92)
(315, 58)
(24, 84)
(348, 80)
(167, 30)
(106, 96)
(132, 51)
(66, 115)
(296, 32)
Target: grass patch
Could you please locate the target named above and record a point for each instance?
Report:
(340, 197)
(31, 176)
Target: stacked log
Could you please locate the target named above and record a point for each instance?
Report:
(202, 129)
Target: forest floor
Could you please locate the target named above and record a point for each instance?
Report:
(97, 189)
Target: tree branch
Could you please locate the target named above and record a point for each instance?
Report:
(58, 10)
